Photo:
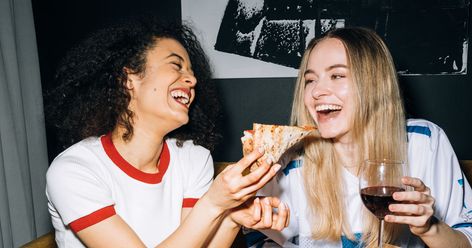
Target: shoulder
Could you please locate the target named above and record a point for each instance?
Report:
(187, 149)
(79, 158)
(422, 127)
(424, 132)
(189, 154)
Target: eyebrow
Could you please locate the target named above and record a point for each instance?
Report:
(328, 69)
(336, 66)
(175, 55)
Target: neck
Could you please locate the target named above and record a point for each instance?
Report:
(142, 150)
(348, 155)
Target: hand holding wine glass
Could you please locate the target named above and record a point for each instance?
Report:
(415, 208)
(378, 180)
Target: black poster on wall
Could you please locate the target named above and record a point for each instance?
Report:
(424, 36)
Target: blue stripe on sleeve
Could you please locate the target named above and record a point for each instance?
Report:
(292, 165)
(462, 225)
(419, 129)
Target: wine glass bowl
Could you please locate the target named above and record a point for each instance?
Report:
(378, 180)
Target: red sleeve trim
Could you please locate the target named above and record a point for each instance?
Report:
(92, 219)
(189, 202)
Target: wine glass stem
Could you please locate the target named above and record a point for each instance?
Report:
(381, 229)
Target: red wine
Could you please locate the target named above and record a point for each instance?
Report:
(377, 199)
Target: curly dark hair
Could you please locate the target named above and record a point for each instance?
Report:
(91, 98)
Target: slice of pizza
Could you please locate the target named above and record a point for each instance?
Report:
(275, 139)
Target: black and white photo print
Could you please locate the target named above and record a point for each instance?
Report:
(266, 38)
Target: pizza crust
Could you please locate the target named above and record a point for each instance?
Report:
(274, 139)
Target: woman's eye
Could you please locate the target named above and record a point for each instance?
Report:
(337, 76)
(178, 65)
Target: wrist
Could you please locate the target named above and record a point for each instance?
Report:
(433, 229)
(211, 208)
(228, 222)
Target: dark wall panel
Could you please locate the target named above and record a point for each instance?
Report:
(443, 99)
(62, 24)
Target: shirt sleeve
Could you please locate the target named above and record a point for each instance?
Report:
(200, 175)
(77, 193)
(455, 195)
(436, 164)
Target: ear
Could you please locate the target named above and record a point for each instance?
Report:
(129, 78)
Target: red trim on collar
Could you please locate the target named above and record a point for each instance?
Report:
(151, 178)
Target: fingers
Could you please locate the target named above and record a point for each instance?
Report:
(282, 219)
(416, 208)
(412, 196)
(248, 160)
(257, 210)
(257, 174)
(276, 220)
(255, 181)
(416, 183)
(413, 221)
(267, 213)
(411, 209)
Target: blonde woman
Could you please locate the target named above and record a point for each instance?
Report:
(347, 86)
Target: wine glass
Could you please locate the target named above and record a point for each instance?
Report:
(378, 180)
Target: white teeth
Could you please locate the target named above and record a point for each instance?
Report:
(180, 96)
(325, 107)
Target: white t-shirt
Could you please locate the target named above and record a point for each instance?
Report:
(431, 158)
(90, 182)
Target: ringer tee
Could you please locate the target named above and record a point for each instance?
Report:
(90, 182)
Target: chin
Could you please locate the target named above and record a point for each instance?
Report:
(328, 134)
(184, 121)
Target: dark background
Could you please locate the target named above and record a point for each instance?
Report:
(443, 99)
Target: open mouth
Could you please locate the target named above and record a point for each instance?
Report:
(182, 96)
(328, 110)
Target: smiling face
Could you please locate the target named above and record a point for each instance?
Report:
(329, 90)
(161, 96)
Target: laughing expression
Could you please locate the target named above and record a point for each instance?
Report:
(329, 95)
(162, 97)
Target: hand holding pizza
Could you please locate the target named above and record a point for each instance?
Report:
(275, 140)
(231, 188)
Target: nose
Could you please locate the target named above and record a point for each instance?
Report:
(190, 79)
(320, 89)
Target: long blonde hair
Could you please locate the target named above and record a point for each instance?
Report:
(378, 128)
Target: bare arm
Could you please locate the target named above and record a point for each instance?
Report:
(442, 235)
(230, 189)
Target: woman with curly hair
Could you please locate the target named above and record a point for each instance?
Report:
(137, 103)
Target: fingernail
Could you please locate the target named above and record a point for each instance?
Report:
(276, 167)
(269, 161)
(261, 149)
(266, 201)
